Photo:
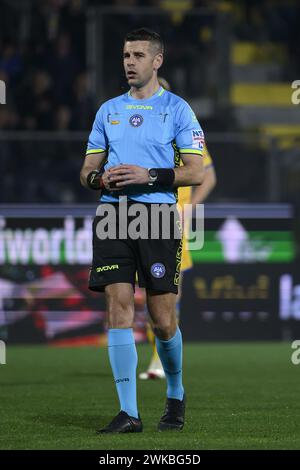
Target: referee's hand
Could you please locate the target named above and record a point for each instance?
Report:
(124, 175)
(109, 182)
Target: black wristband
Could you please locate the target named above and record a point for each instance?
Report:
(94, 180)
(165, 177)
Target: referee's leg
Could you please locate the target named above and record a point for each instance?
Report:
(123, 356)
(162, 309)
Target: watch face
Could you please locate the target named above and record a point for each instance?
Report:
(153, 173)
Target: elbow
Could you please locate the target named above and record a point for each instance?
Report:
(82, 180)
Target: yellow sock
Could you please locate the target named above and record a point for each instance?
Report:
(155, 356)
(150, 335)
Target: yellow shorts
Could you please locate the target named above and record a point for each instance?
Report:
(184, 197)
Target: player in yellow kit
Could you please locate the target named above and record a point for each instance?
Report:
(185, 196)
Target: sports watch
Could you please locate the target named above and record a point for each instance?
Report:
(153, 175)
(94, 180)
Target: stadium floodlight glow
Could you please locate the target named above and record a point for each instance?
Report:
(295, 98)
(2, 92)
(2, 353)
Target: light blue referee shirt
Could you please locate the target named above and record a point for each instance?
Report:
(149, 133)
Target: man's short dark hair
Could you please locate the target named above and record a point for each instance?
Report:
(145, 34)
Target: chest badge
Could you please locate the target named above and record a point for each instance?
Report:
(136, 120)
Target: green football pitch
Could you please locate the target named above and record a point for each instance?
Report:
(239, 396)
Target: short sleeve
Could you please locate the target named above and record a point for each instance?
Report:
(97, 139)
(189, 135)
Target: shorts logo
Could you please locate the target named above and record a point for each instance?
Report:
(111, 267)
(178, 264)
(197, 139)
(158, 270)
(136, 120)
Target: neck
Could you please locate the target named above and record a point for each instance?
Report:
(146, 91)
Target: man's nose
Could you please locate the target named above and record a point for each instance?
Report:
(131, 61)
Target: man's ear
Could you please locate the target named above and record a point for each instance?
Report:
(158, 61)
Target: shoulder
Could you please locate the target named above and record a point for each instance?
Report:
(182, 111)
(181, 108)
(176, 101)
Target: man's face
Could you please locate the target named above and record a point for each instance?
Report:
(140, 61)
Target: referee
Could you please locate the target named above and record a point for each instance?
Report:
(133, 152)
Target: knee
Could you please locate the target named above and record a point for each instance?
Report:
(165, 328)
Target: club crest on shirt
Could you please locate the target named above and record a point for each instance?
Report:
(136, 120)
(158, 270)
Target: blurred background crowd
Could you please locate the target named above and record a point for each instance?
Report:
(42, 62)
(234, 61)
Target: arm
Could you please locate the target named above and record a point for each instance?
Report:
(191, 173)
(93, 161)
(200, 193)
(95, 154)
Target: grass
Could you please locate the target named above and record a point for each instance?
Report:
(240, 396)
